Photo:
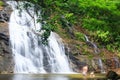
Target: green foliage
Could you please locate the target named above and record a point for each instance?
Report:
(103, 18)
(47, 30)
(1, 3)
(103, 36)
(99, 16)
(79, 36)
(110, 47)
(94, 24)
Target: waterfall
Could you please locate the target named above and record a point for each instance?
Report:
(96, 50)
(30, 55)
(100, 63)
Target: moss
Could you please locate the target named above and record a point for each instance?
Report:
(102, 54)
(1, 3)
(118, 54)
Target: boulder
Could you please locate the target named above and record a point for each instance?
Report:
(111, 75)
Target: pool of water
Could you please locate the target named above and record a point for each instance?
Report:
(48, 77)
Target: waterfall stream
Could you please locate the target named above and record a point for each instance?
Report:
(96, 50)
(30, 55)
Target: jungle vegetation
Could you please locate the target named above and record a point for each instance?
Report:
(101, 18)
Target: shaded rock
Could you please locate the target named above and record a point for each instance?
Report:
(5, 38)
(6, 58)
(112, 63)
(5, 13)
(76, 64)
(112, 75)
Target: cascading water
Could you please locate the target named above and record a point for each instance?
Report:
(96, 50)
(30, 55)
(100, 64)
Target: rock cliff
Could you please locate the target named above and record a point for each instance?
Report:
(6, 57)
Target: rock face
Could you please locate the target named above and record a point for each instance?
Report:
(5, 12)
(6, 57)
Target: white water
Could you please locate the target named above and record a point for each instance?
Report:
(100, 63)
(30, 55)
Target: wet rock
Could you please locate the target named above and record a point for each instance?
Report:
(6, 59)
(76, 64)
(5, 38)
(112, 63)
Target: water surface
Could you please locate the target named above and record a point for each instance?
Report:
(47, 77)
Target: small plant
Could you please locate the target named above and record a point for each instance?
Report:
(103, 35)
(79, 36)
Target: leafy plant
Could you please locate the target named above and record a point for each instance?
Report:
(79, 36)
(103, 36)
